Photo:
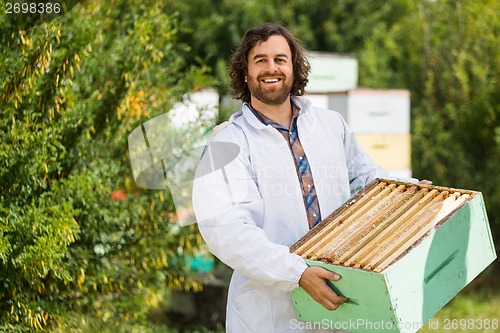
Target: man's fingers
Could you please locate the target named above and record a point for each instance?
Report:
(334, 298)
(314, 282)
(339, 299)
(326, 274)
(331, 297)
(332, 306)
(329, 305)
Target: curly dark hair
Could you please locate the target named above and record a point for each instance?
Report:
(239, 60)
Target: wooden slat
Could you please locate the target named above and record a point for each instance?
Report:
(326, 222)
(385, 230)
(324, 236)
(357, 230)
(381, 222)
(430, 224)
(414, 224)
(398, 224)
(352, 216)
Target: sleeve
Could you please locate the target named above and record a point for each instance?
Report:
(230, 211)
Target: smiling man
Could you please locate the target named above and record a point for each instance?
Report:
(270, 74)
(295, 164)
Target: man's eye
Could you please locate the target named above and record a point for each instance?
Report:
(261, 60)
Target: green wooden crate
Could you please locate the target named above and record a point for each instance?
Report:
(405, 295)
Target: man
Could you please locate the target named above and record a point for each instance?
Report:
(278, 166)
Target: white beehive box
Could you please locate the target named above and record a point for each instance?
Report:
(374, 110)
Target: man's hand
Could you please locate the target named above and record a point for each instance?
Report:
(313, 282)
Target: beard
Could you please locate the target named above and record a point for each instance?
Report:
(275, 95)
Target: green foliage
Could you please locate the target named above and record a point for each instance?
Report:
(75, 229)
(214, 28)
(445, 52)
(73, 226)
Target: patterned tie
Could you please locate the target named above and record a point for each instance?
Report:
(305, 176)
(301, 163)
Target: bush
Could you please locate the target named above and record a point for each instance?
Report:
(73, 226)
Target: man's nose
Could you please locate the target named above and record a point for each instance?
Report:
(272, 66)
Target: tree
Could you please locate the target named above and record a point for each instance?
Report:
(446, 54)
(73, 225)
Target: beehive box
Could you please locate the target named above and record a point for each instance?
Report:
(332, 72)
(373, 110)
(403, 251)
(389, 150)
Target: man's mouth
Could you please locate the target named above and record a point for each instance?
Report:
(271, 80)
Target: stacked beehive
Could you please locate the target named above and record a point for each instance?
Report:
(381, 121)
(379, 118)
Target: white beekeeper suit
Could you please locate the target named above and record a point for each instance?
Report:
(251, 209)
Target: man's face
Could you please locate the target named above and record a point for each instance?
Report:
(270, 71)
